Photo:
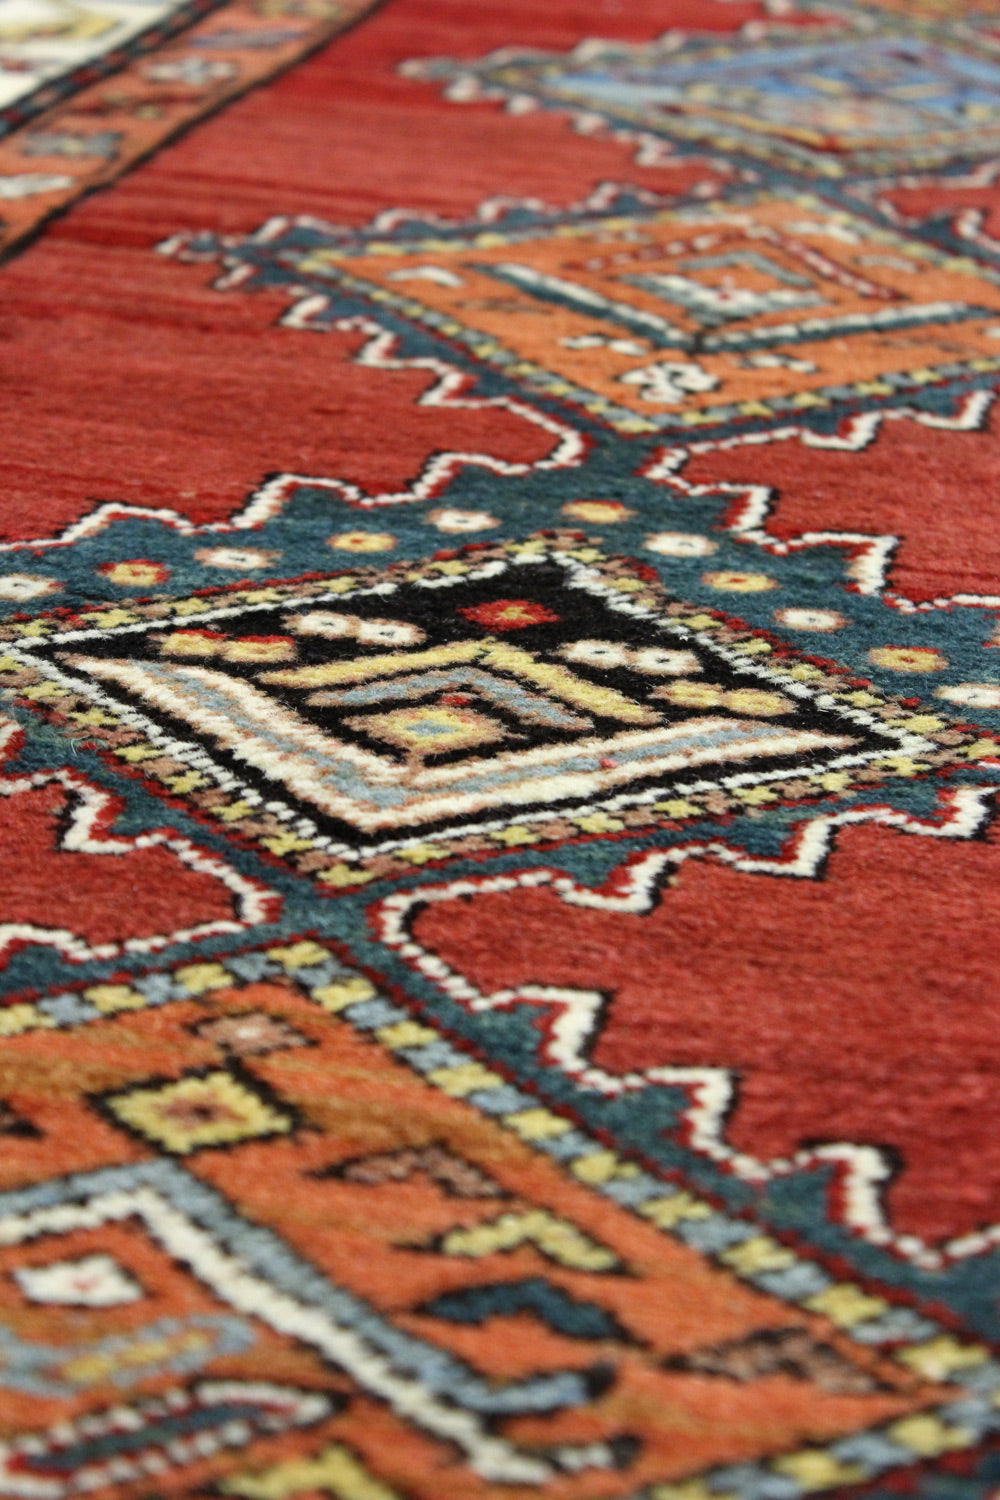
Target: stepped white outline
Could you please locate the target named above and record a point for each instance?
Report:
(573, 1018)
(965, 223)
(654, 151)
(871, 554)
(90, 813)
(603, 198)
(448, 392)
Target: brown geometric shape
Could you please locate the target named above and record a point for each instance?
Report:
(250, 1033)
(780, 1351)
(456, 1176)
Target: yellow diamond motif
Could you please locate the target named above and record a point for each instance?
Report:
(199, 1110)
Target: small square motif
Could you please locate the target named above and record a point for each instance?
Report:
(197, 1111)
(87, 1281)
(250, 1034)
(430, 729)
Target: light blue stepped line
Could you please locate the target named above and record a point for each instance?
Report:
(662, 333)
(752, 258)
(697, 299)
(819, 330)
(435, 1369)
(792, 1285)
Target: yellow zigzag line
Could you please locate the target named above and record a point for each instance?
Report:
(554, 1237)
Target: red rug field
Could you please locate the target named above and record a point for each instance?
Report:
(499, 749)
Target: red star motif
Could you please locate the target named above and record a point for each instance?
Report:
(509, 614)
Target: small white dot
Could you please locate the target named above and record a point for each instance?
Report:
(680, 544)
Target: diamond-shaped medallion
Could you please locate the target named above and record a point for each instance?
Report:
(877, 92)
(529, 692)
(763, 304)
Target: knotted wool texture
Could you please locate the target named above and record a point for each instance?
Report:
(499, 749)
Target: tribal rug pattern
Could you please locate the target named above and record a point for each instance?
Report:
(500, 739)
(88, 91)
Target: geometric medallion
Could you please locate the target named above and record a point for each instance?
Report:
(501, 1228)
(661, 319)
(907, 91)
(509, 694)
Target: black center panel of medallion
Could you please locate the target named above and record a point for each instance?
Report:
(433, 674)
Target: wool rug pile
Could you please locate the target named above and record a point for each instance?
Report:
(500, 736)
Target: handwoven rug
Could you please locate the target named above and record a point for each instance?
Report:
(500, 610)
